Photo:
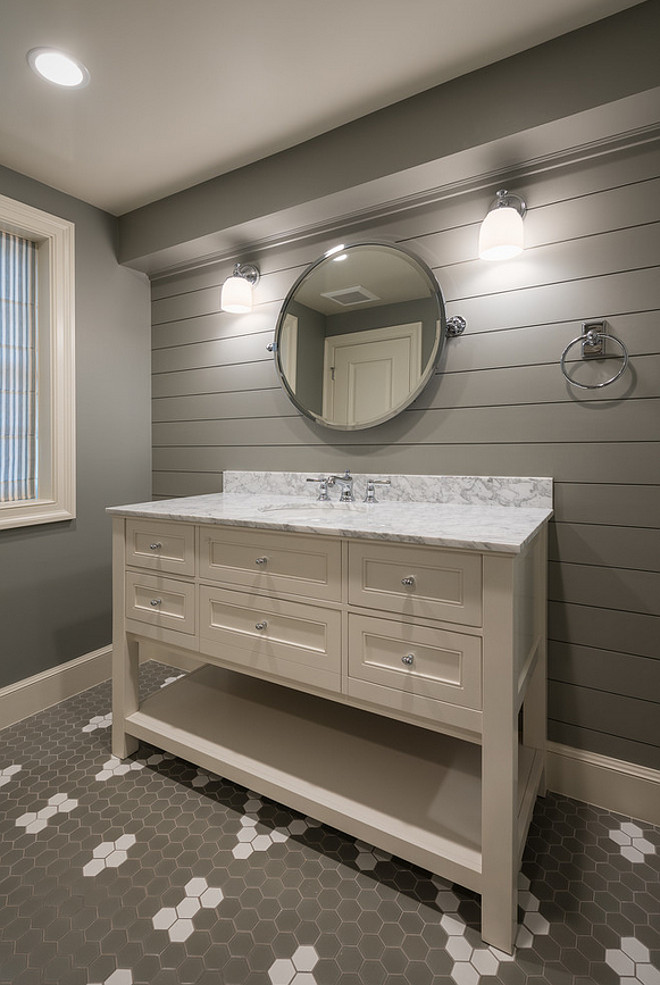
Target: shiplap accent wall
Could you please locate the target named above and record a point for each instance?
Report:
(498, 405)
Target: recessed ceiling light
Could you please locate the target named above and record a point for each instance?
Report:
(56, 67)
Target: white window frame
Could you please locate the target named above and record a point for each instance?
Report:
(54, 238)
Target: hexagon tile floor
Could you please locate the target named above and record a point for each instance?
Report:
(152, 872)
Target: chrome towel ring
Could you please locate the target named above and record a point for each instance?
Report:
(596, 340)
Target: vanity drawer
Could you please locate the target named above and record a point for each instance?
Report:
(272, 562)
(417, 660)
(162, 546)
(160, 601)
(417, 581)
(286, 639)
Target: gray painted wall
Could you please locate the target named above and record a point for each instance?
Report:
(55, 584)
(498, 405)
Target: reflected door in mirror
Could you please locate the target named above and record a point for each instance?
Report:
(370, 374)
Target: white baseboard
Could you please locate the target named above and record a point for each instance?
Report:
(35, 694)
(604, 782)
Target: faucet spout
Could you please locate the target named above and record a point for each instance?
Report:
(345, 483)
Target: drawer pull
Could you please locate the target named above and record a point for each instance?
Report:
(155, 602)
(408, 659)
(261, 560)
(261, 625)
(155, 547)
(410, 580)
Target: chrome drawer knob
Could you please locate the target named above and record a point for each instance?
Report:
(155, 547)
(408, 659)
(408, 581)
(261, 560)
(261, 625)
(155, 602)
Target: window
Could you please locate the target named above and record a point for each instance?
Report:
(37, 385)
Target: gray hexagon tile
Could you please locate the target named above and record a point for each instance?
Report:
(155, 872)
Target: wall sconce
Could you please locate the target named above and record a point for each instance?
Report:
(236, 295)
(501, 235)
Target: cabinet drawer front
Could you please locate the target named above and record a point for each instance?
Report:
(415, 659)
(271, 635)
(414, 581)
(160, 601)
(162, 546)
(272, 562)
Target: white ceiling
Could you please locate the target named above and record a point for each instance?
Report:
(182, 90)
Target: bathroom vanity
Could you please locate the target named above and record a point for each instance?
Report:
(380, 667)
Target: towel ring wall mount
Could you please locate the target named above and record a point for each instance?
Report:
(594, 340)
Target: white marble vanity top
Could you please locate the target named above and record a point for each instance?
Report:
(482, 526)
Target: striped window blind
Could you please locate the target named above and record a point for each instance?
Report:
(18, 368)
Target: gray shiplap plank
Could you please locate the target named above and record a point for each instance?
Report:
(627, 632)
(217, 325)
(214, 406)
(172, 484)
(612, 588)
(542, 344)
(543, 384)
(639, 463)
(215, 379)
(580, 300)
(558, 222)
(604, 670)
(568, 422)
(220, 352)
(616, 547)
(619, 505)
(557, 263)
(601, 711)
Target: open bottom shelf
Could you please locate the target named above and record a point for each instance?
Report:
(410, 791)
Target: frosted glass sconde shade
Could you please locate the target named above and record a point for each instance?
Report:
(236, 295)
(501, 235)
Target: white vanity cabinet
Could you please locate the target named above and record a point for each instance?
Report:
(393, 690)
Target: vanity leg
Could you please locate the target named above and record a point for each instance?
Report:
(125, 682)
(535, 708)
(499, 761)
(125, 656)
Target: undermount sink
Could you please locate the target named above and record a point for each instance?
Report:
(314, 509)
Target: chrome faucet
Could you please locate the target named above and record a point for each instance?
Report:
(345, 482)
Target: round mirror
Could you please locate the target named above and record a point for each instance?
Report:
(359, 335)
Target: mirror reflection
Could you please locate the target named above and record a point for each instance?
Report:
(359, 335)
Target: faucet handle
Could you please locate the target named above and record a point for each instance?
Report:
(323, 482)
(370, 496)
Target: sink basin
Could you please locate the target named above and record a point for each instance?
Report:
(306, 510)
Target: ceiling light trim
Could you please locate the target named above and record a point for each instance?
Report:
(34, 56)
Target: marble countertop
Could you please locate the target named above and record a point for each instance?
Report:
(478, 527)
